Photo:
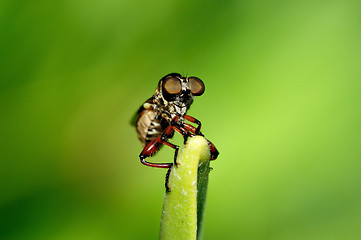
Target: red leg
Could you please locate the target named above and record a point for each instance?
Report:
(212, 148)
(176, 148)
(196, 121)
(150, 150)
(186, 130)
(152, 147)
(191, 129)
(181, 130)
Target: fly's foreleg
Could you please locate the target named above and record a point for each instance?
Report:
(212, 148)
(196, 121)
(185, 133)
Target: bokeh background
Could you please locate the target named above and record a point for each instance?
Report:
(282, 105)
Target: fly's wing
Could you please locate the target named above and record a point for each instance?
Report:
(135, 117)
(133, 120)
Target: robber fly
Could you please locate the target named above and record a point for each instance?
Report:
(164, 113)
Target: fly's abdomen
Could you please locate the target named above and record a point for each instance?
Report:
(148, 127)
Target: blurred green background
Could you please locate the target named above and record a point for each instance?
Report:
(282, 105)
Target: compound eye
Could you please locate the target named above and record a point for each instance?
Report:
(197, 86)
(172, 85)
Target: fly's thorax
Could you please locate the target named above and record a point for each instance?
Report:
(170, 109)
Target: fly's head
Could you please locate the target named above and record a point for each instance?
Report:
(175, 94)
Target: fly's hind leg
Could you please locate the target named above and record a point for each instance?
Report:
(151, 148)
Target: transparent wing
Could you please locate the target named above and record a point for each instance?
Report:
(133, 120)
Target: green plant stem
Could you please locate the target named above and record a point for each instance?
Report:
(183, 206)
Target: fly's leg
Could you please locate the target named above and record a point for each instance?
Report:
(152, 147)
(186, 130)
(176, 148)
(196, 121)
(180, 128)
(167, 188)
(214, 152)
(184, 133)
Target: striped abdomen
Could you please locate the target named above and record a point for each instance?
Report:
(148, 127)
